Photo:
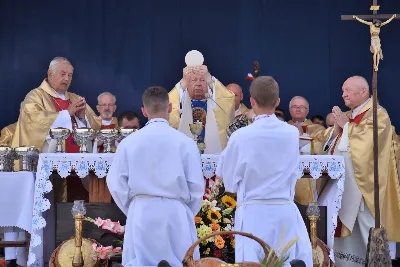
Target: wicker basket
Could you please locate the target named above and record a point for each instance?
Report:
(214, 262)
(63, 254)
(322, 252)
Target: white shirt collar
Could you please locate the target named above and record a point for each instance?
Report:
(62, 96)
(357, 109)
(157, 120)
(106, 123)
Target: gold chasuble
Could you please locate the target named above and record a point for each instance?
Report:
(224, 98)
(361, 150)
(37, 115)
(242, 110)
(7, 134)
(304, 190)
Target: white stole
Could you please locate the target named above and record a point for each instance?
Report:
(211, 139)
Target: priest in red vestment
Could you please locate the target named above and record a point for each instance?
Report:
(51, 106)
(106, 106)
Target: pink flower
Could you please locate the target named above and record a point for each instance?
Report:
(99, 222)
(108, 225)
(117, 250)
(94, 246)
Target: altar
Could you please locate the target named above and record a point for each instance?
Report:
(83, 163)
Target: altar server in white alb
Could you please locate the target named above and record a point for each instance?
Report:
(156, 179)
(260, 164)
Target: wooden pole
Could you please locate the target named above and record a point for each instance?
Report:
(376, 150)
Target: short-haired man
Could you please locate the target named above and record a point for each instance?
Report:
(156, 179)
(240, 108)
(260, 164)
(129, 119)
(106, 106)
(318, 119)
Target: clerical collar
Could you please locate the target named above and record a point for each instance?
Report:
(263, 116)
(157, 120)
(106, 122)
(357, 109)
(301, 123)
(62, 96)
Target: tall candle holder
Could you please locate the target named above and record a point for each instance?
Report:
(78, 211)
(313, 214)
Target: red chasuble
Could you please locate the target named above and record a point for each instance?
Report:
(75, 188)
(356, 120)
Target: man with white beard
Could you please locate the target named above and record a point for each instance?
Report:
(157, 181)
(260, 164)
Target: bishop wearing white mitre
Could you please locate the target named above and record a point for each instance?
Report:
(261, 165)
(157, 181)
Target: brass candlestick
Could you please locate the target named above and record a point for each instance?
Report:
(78, 211)
(313, 216)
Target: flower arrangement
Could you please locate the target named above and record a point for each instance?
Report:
(105, 253)
(3, 262)
(216, 215)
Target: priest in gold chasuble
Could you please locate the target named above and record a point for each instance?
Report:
(201, 98)
(307, 189)
(51, 106)
(351, 137)
(7, 134)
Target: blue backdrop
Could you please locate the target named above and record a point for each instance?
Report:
(126, 46)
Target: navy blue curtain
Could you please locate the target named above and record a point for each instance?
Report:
(126, 46)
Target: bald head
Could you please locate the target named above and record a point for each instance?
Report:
(237, 90)
(355, 91)
(330, 120)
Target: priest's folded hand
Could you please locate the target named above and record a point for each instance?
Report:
(77, 108)
(340, 117)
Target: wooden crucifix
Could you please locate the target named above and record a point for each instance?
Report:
(377, 255)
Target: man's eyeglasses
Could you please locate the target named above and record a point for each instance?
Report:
(106, 105)
(299, 107)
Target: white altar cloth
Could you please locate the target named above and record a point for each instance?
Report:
(16, 206)
(100, 162)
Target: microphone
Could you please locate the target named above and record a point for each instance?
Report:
(207, 95)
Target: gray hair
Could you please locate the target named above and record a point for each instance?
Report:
(298, 97)
(57, 60)
(104, 94)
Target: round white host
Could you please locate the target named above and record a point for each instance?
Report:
(194, 58)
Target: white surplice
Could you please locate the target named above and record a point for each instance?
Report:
(261, 164)
(156, 179)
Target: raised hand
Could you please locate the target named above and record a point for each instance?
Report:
(340, 117)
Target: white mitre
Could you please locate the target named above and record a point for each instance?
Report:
(211, 139)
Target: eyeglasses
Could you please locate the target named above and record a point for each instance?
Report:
(299, 107)
(106, 105)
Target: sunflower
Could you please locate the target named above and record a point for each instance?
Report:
(213, 215)
(228, 201)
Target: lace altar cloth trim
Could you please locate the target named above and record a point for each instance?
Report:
(100, 163)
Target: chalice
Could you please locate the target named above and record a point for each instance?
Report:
(82, 136)
(60, 134)
(107, 136)
(124, 132)
(196, 129)
(6, 159)
(29, 155)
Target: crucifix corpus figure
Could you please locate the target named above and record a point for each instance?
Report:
(375, 29)
(378, 190)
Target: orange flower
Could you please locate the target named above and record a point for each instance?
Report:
(233, 243)
(197, 219)
(219, 242)
(215, 227)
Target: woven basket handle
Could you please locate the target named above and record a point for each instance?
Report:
(189, 261)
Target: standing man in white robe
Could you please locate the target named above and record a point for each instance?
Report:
(157, 181)
(261, 165)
